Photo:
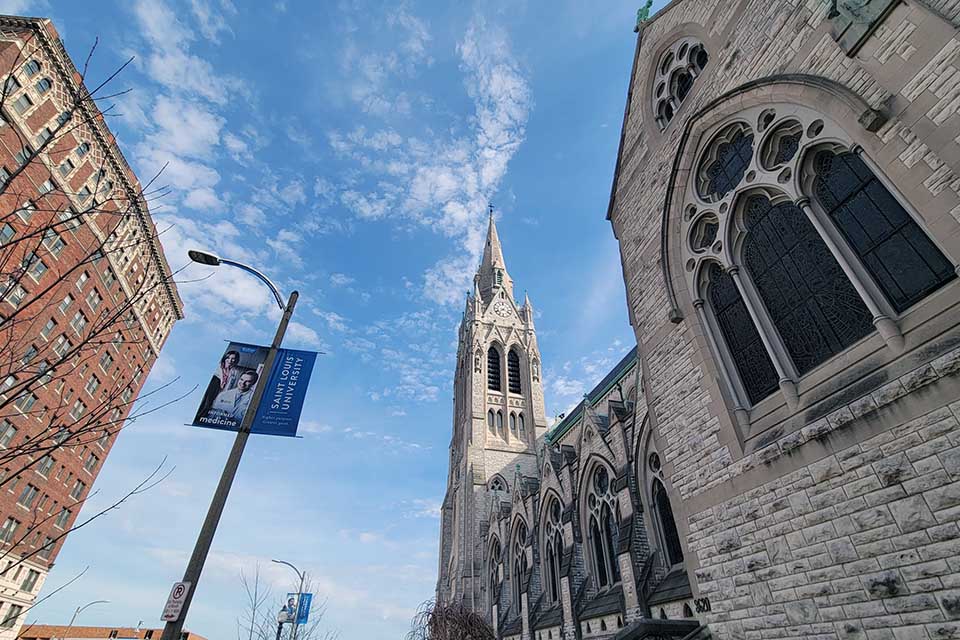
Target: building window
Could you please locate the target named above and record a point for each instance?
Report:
(47, 187)
(513, 371)
(47, 549)
(45, 466)
(513, 424)
(678, 69)
(106, 361)
(79, 408)
(8, 530)
(602, 527)
(490, 424)
(27, 496)
(62, 346)
(519, 564)
(65, 303)
(900, 257)
(91, 463)
(93, 383)
(31, 68)
(77, 490)
(10, 86)
(48, 329)
(25, 401)
(109, 277)
(494, 572)
(22, 104)
(44, 135)
(7, 432)
(4, 174)
(34, 266)
(43, 85)
(84, 194)
(62, 518)
(66, 167)
(522, 428)
(500, 424)
(82, 149)
(493, 369)
(554, 545)
(78, 322)
(6, 234)
(673, 552)
(94, 299)
(16, 294)
(53, 242)
(10, 619)
(26, 211)
(30, 581)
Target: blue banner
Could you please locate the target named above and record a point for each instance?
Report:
(230, 391)
(303, 611)
(282, 401)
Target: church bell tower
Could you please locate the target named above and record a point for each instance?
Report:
(498, 418)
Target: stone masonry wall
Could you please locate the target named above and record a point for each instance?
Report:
(863, 543)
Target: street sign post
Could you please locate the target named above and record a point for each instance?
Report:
(178, 595)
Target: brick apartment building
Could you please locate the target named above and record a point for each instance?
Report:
(86, 303)
(61, 632)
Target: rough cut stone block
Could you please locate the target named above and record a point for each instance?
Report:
(912, 514)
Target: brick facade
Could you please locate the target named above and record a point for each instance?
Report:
(80, 339)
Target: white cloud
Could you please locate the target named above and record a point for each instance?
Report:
(300, 334)
(211, 20)
(335, 322)
(164, 369)
(340, 279)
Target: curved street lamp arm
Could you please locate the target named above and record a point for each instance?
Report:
(265, 279)
(297, 571)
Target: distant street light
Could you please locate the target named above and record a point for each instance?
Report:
(296, 614)
(172, 630)
(66, 632)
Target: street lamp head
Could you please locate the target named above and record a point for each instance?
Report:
(204, 257)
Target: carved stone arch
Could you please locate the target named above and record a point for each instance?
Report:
(831, 98)
(498, 478)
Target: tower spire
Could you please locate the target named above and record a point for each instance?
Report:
(492, 273)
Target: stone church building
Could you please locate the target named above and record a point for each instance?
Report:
(780, 456)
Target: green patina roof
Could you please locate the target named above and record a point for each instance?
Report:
(615, 376)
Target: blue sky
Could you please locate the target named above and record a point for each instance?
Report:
(349, 150)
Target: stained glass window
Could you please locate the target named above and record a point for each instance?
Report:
(493, 369)
(674, 551)
(749, 355)
(787, 148)
(732, 159)
(808, 296)
(903, 261)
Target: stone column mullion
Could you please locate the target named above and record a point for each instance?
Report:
(787, 385)
(887, 328)
(739, 410)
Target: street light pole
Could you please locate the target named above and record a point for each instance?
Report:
(172, 630)
(302, 576)
(66, 632)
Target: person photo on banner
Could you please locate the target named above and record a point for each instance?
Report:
(224, 379)
(289, 611)
(233, 403)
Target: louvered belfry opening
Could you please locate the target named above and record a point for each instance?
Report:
(493, 369)
(513, 369)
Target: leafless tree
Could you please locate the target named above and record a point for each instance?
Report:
(261, 608)
(448, 622)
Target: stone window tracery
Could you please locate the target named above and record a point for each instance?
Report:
(797, 249)
(553, 543)
(602, 527)
(494, 577)
(676, 74)
(519, 563)
(513, 371)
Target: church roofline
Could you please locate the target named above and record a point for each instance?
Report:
(616, 375)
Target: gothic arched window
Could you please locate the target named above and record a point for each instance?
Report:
(809, 298)
(903, 261)
(521, 426)
(494, 578)
(678, 70)
(493, 369)
(513, 424)
(673, 552)
(553, 543)
(519, 563)
(741, 336)
(513, 371)
(500, 424)
(796, 249)
(497, 484)
(603, 527)
(490, 424)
